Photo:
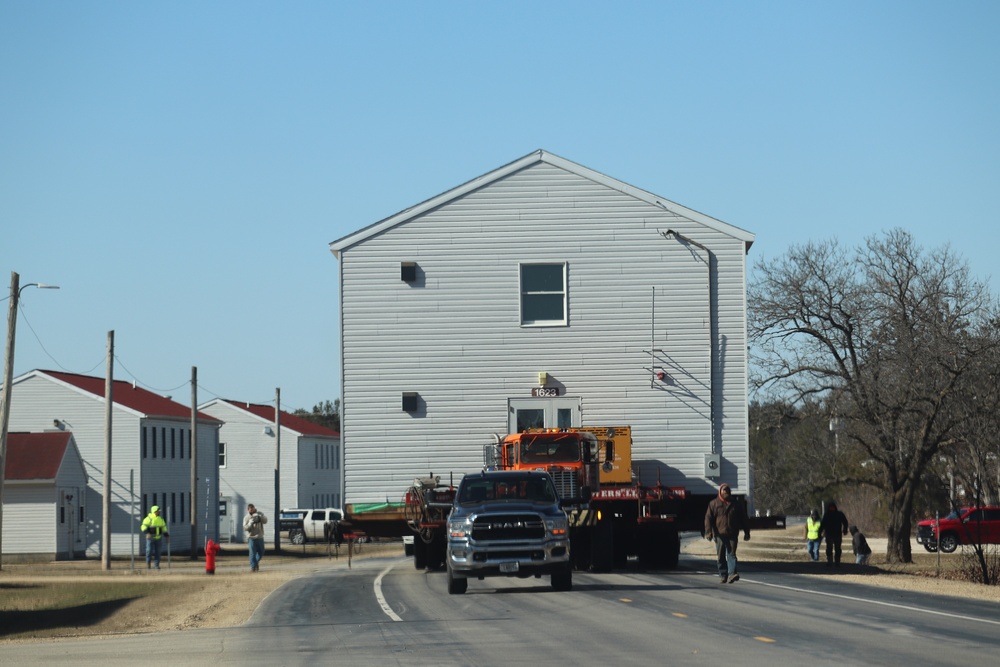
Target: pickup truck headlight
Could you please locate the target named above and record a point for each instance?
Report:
(556, 527)
(460, 529)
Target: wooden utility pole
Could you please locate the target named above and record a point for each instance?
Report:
(8, 379)
(193, 450)
(109, 401)
(277, 470)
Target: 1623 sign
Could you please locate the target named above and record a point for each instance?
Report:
(545, 392)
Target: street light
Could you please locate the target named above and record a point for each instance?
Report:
(8, 372)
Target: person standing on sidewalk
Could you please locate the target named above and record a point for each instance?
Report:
(155, 529)
(253, 526)
(724, 520)
(812, 534)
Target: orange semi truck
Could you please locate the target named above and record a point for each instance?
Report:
(612, 516)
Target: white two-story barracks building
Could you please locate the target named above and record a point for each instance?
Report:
(542, 294)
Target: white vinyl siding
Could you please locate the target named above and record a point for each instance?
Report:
(637, 301)
(29, 519)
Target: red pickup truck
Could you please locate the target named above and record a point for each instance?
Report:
(967, 525)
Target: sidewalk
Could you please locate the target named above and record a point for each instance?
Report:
(231, 559)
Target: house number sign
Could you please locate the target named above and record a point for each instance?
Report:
(545, 392)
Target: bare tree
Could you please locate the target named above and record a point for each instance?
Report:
(890, 336)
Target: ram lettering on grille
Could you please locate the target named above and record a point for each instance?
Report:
(508, 527)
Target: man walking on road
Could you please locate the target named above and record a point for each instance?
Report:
(724, 520)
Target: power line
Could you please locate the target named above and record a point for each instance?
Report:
(34, 333)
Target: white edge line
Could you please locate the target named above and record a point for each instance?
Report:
(381, 598)
(878, 602)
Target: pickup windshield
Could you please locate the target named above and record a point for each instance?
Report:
(534, 489)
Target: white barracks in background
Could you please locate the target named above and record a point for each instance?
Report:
(151, 456)
(542, 293)
(311, 474)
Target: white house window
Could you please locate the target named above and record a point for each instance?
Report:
(543, 294)
(222, 455)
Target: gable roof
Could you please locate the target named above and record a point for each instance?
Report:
(288, 420)
(127, 395)
(528, 160)
(35, 456)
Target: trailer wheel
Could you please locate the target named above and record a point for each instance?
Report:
(437, 551)
(672, 544)
(457, 585)
(603, 546)
(297, 537)
(563, 581)
(419, 553)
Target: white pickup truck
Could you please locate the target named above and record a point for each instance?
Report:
(307, 525)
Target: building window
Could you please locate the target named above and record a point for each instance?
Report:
(222, 455)
(173, 443)
(543, 294)
(163, 442)
(144, 430)
(152, 432)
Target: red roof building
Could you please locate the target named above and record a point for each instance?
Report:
(151, 447)
(44, 487)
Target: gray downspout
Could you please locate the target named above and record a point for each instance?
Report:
(711, 326)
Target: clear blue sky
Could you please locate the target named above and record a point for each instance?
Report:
(179, 168)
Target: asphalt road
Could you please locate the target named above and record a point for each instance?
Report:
(384, 612)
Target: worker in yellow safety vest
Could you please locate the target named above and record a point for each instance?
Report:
(812, 534)
(155, 529)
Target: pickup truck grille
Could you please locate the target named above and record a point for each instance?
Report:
(507, 527)
(565, 483)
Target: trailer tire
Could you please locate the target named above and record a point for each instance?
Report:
(603, 546)
(437, 552)
(563, 581)
(672, 550)
(419, 553)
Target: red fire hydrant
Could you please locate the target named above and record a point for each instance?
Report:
(210, 550)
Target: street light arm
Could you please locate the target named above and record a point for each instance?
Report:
(24, 287)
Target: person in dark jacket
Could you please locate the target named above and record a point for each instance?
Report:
(833, 527)
(724, 520)
(860, 546)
